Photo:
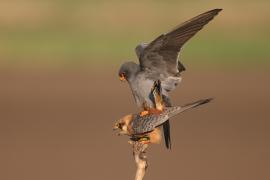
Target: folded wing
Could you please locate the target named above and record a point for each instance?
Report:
(148, 123)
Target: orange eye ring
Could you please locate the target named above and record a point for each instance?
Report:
(122, 77)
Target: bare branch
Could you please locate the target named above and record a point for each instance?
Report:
(140, 158)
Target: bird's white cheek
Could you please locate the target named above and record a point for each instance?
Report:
(124, 128)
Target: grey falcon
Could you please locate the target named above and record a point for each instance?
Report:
(158, 60)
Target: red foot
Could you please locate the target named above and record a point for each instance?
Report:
(154, 111)
(144, 113)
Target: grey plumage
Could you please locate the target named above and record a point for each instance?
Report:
(161, 54)
(159, 61)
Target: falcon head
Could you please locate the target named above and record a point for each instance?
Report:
(128, 71)
(123, 125)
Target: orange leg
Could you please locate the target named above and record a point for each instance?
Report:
(154, 111)
(144, 113)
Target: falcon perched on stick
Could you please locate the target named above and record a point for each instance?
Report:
(159, 61)
(145, 128)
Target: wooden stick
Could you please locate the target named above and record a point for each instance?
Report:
(140, 158)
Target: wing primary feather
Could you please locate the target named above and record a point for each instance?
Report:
(162, 53)
(167, 134)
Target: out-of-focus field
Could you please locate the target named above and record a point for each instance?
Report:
(58, 125)
(76, 33)
(59, 91)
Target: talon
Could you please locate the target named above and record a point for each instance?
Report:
(144, 140)
(144, 113)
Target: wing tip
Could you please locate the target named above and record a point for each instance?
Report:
(215, 11)
(167, 135)
(198, 103)
(204, 101)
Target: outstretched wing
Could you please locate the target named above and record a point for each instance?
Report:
(161, 54)
(148, 123)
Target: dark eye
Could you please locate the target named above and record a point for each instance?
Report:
(120, 126)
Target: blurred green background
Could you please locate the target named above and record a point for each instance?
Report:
(58, 33)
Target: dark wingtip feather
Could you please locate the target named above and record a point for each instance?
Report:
(198, 103)
(203, 101)
(215, 11)
(206, 100)
(167, 135)
(219, 9)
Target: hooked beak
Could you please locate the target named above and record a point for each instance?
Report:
(116, 126)
(122, 78)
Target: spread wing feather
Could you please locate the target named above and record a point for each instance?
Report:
(161, 54)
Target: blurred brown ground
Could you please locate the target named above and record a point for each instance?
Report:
(57, 124)
(60, 95)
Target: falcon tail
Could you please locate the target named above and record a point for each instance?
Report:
(173, 111)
